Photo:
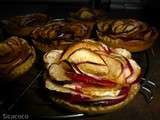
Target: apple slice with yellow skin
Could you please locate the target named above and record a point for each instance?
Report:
(114, 66)
(57, 71)
(84, 55)
(92, 68)
(88, 44)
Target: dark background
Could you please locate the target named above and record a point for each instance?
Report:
(143, 9)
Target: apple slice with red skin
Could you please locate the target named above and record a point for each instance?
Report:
(106, 49)
(81, 99)
(106, 102)
(135, 72)
(90, 80)
(127, 67)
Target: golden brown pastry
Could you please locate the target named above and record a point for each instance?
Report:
(60, 34)
(16, 57)
(23, 25)
(86, 14)
(130, 34)
(91, 78)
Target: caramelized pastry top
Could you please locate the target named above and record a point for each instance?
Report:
(89, 71)
(60, 30)
(13, 52)
(127, 30)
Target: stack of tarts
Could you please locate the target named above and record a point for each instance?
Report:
(90, 77)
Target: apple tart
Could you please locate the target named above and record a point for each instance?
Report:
(90, 77)
(16, 57)
(60, 34)
(131, 34)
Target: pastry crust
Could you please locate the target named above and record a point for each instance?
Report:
(97, 109)
(130, 34)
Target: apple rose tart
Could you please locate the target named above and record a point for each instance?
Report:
(91, 78)
(60, 34)
(23, 25)
(16, 57)
(131, 34)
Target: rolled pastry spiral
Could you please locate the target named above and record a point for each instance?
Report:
(14, 52)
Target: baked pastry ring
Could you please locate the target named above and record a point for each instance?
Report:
(91, 78)
(131, 34)
(16, 57)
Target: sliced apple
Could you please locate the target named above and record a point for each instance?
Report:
(114, 66)
(135, 73)
(92, 68)
(84, 55)
(97, 101)
(90, 80)
(107, 49)
(107, 101)
(101, 91)
(88, 44)
(54, 87)
(57, 71)
(52, 57)
(123, 52)
(72, 94)
(75, 68)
